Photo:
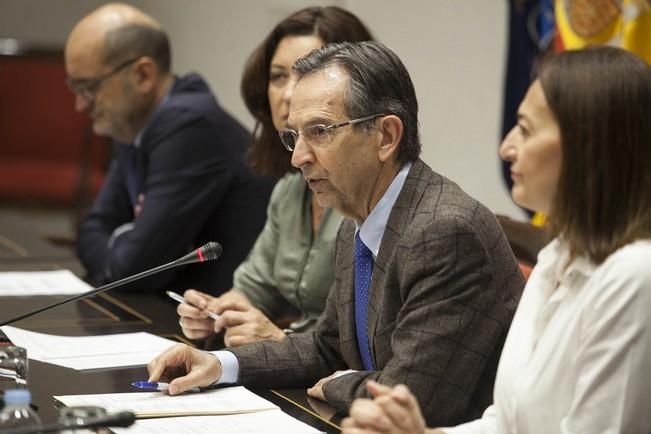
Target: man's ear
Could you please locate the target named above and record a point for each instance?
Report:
(145, 74)
(391, 128)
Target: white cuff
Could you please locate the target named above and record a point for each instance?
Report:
(230, 367)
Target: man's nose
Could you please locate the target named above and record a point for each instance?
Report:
(82, 105)
(302, 154)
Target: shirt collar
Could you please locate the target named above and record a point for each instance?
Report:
(554, 269)
(138, 140)
(558, 253)
(372, 229)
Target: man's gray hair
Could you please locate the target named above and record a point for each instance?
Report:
(378, 83)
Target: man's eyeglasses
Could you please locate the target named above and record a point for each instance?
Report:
(87, 88)
(318, 135)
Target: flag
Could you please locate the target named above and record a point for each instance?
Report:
(620, 23)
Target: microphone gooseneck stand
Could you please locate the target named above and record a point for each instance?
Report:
(207, 252)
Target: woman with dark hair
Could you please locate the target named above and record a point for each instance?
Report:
(266, 79)
(291, 263)
(578, 352)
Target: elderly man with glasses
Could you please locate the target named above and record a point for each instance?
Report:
(178, 178)
(425, 282)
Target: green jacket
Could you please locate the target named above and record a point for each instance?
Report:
(287, 266)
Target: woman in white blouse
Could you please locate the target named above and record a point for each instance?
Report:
(578, 355)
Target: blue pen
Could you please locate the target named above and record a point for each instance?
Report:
(153, 385)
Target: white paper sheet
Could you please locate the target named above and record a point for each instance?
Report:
(267, 422)
(14, 283)
(89, 352)
(228, 400)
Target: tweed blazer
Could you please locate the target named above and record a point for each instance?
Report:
(444, 288)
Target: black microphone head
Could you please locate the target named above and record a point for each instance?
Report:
(211, 251)
(208, 252)
(122, 419)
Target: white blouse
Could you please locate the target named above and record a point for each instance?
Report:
(577, 358)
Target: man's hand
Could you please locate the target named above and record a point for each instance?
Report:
(186, 368)
(393, 410)
(316, 391)
(244, 324)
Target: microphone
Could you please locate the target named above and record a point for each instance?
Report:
(207, 252)
(122, 419)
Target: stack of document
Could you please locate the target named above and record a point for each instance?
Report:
(14, 283)
(229, 410)
(229, 400)
(89, 352)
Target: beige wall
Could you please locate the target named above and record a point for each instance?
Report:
(454, 49)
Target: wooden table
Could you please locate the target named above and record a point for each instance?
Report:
(112, 312)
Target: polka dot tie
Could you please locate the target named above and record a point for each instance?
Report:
(363, 272)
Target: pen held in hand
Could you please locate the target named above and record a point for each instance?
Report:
(179, 299)
(154, 385)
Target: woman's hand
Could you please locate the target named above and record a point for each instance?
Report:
(194, 321)
(393, 410)
(244, 324)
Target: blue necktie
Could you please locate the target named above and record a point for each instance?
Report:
(363, 272)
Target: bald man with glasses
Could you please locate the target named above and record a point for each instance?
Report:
(178, 178)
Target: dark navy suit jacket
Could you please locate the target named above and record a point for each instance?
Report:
(197, 187)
